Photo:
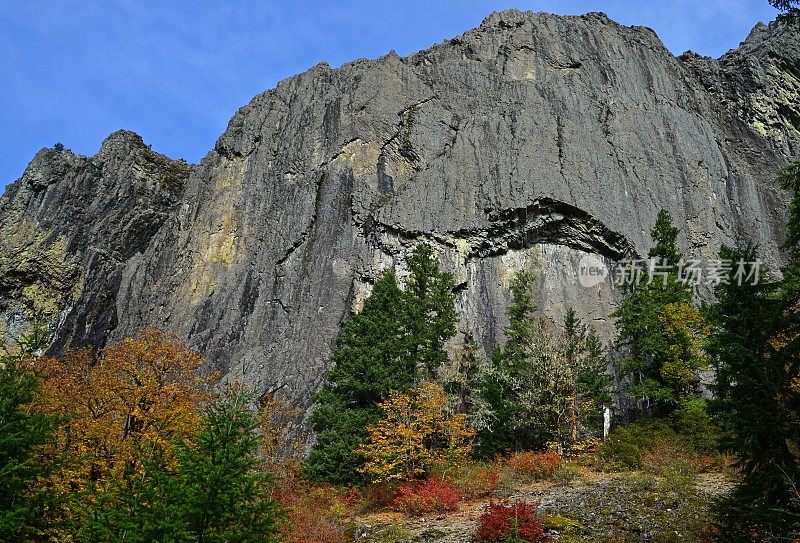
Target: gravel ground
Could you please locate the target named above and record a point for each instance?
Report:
(614, 507)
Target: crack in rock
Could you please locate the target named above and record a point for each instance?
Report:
(545, 221)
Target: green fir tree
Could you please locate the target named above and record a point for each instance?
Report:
(395, 341)
(22, 431)
(654, 321)
(215, 493)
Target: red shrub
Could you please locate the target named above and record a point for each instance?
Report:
(314, 514)
(380, 495)
(535, 465)
(487, 479)
(431, 496)
(516, 522)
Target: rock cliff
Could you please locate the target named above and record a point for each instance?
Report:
(529, 141)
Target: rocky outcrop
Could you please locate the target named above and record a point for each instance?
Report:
(530, 142)
(70, 226)
(759, 83)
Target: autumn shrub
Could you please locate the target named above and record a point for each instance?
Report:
(650, 443)
(314, 514)
(423, 497)
(475, 479)
(662, 454)
(509, 523)
(534, 466)
(582, 449)
(715, 462)
(378, 496)
(689, 432)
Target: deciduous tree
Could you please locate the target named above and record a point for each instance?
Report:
(415, 433)
(213, 492)
(127, 402)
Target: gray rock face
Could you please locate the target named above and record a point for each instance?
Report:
(525, 143)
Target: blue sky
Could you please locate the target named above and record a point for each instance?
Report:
(175, 72)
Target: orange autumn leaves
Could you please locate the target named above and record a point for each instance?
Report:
(121, 404)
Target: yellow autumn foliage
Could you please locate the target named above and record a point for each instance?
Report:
(415, 434)
(685, 330)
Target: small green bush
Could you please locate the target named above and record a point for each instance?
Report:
(624, 447)
(695, 427)
(393, 533)
(677, 481)
(688, 433)
(565, 474)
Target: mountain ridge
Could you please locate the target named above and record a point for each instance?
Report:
(527, 142)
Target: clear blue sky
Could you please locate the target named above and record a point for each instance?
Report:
(175, 72)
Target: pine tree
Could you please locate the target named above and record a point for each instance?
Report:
(755, 346)
(146, 508)
(22, 432)
(642, 331)
(750, 380)
(588, 378)
(541, 386)
(790, 9)
(225, 496)
(431, 312)
(392, 344)
(499, 411)
(371, 358)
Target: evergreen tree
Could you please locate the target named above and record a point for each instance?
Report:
(756, 349)
(225, 496)
(665, 240)
(495, 409)
(790, 8)
(751, 379)
(500, 417)
(588, 378)
(541, 386)
(392, 344)
(431, 311)
(143, 509)
(371, 358)
(651, 320)
(22, 432)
